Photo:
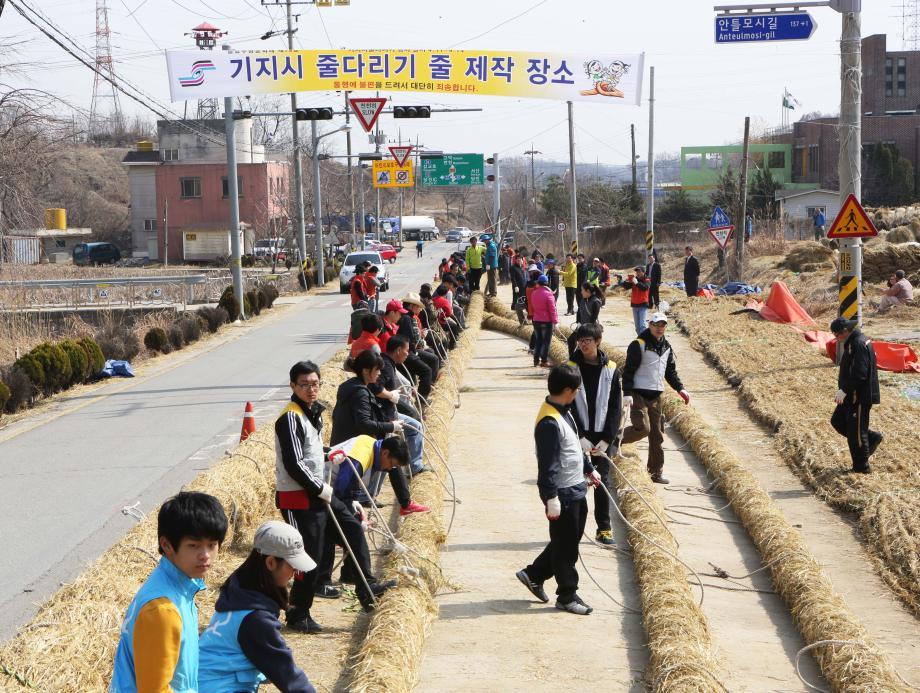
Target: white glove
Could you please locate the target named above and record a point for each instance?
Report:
(326, 493)
(602, 446)
(840, 396)
(627, 400)
(336, 457)
(394, 396)
(397, 426)
(586, 445)
(593, 479)
(553, 508)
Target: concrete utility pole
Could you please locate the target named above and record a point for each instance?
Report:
(166, 230)
(849, 163)
(317, 210)
(497, 203)
(741, 222)
(361, 196)
(632, 137)
(236, 267)
(533, 179)
(573, 190)
(351, 182)
(300, 224)
(650, 173)
(377, 190)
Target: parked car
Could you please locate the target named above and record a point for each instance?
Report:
(465, 232)
(453, 236)
(347, 272)
(268, 248)
(387, 252)
(101, 253)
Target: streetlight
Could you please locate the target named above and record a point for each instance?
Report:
(317, 201)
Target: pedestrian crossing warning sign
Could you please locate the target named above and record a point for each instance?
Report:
(852, 221)
(389, 174)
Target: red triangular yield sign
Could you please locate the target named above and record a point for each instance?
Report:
(367, 110)
(401, 153)
(721, 235)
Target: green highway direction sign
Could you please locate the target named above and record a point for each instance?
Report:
(453, 169)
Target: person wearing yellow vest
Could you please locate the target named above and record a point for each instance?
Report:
(474, 261)
(598, 411)
(564, 473)
(570, 283)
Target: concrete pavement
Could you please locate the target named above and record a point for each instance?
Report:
(66, 475)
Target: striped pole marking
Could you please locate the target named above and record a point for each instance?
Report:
(649, 241)
(849, 297)
(574, 250)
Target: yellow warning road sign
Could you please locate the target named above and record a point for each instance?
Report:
(388, 174)
(852, 221)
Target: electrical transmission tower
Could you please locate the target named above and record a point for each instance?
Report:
(104, 82)
(910, 24)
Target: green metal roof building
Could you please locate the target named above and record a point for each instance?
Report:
(700, 167)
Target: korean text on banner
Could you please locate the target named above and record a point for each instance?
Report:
(592, 77)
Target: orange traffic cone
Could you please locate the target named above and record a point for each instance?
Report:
(249, 423)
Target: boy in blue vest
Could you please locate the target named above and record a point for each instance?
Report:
(158, 648)
(563, 476)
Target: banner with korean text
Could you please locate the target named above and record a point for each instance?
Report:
(593, 77)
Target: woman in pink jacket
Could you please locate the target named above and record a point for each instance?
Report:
(544, 317)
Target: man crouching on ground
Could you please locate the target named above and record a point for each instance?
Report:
(563, 476)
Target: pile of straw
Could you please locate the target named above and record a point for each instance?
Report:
(70, 644)
(789, 386)
(681, 656)
(390, 657)
(880, 261)
(808, 254)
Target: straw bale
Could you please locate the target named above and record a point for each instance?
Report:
(880, 261)
(70, 644)
(789, 386)
(390, 657)
(901, 234)
(807, 253)
(681, 656)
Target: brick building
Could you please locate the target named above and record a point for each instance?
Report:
(891, 115)
(183, 183)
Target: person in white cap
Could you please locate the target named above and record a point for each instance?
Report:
(649, 365)
(243, 646)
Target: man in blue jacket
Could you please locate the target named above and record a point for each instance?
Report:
(491, 267)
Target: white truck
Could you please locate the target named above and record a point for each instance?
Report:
(415, 227)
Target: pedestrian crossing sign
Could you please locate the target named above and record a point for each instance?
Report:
(852, 221)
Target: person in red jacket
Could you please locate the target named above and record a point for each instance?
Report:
(545, 318)
(371, 287)
(391, 318)
(638, 297)
(371, 328)
(358, 288)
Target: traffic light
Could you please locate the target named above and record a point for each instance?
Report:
(411, 111)
(491, 176)
(313, 114)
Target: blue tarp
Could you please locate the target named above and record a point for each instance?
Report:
(120, 369)
(737, 289)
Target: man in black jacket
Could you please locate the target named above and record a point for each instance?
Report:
(649, 365)
(653, 272)
(691, 272)
(597, 411)
(858, 390)
(581, 275)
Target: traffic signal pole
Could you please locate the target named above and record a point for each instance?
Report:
(233, 193)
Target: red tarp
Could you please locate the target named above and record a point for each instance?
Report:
(782, 307)
(706, 293)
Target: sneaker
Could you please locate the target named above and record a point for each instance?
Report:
(413, 507)
(536, 589)
(327, 592)
(378, 588)
(658, 479)
(378, 503)
(875, 442)
(576, 606)
(422, 470)
(605, 537)
(305, 625)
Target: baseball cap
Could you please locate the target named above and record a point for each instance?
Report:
(841, 324)
(550, 261)
(396, 304)
(533, 268)
(281, 540)
(542, 279)
(658, 317)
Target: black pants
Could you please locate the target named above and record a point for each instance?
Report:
(419, 369)
(432, 360)
(418, 251)
(561, 554)
(351, 527)
(570, 299)
(692, 286)
(852, 421)
(312, 527)
(474, 276)
(601, 499)
(653, 298)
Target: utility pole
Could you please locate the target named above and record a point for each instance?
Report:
(351, 182)
(849, 162)
(166, 229)
(1, 228)
(236, 267)
(361, 196)
(632, 137)
(377, 190)
(317, 209)
(496, 203)
(650, 172)
(415, 175)
(533, 181)
(299, 221)
(741, 222)
(399, 135)
(573, 191)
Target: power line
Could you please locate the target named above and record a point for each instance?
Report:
(500, 24)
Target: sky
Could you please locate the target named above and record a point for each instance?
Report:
(702, 91)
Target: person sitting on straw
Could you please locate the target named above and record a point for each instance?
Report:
(563, 476)
(243, 647)
(158, 647)
(898, 293)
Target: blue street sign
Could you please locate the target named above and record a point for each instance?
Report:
(754, 28)
(719, 219)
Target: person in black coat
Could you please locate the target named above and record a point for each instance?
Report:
(858, 390)
(653, 272)
(581, 276)
(518, 287)
(589, 310)
(691, 272)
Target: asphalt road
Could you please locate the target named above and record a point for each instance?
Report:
(67, 473)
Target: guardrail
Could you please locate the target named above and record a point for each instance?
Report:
(102, 292)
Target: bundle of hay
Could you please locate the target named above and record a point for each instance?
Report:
(901, 234)
(810, 254)
(880, 261)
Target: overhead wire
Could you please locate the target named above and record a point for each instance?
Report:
(499, 25)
